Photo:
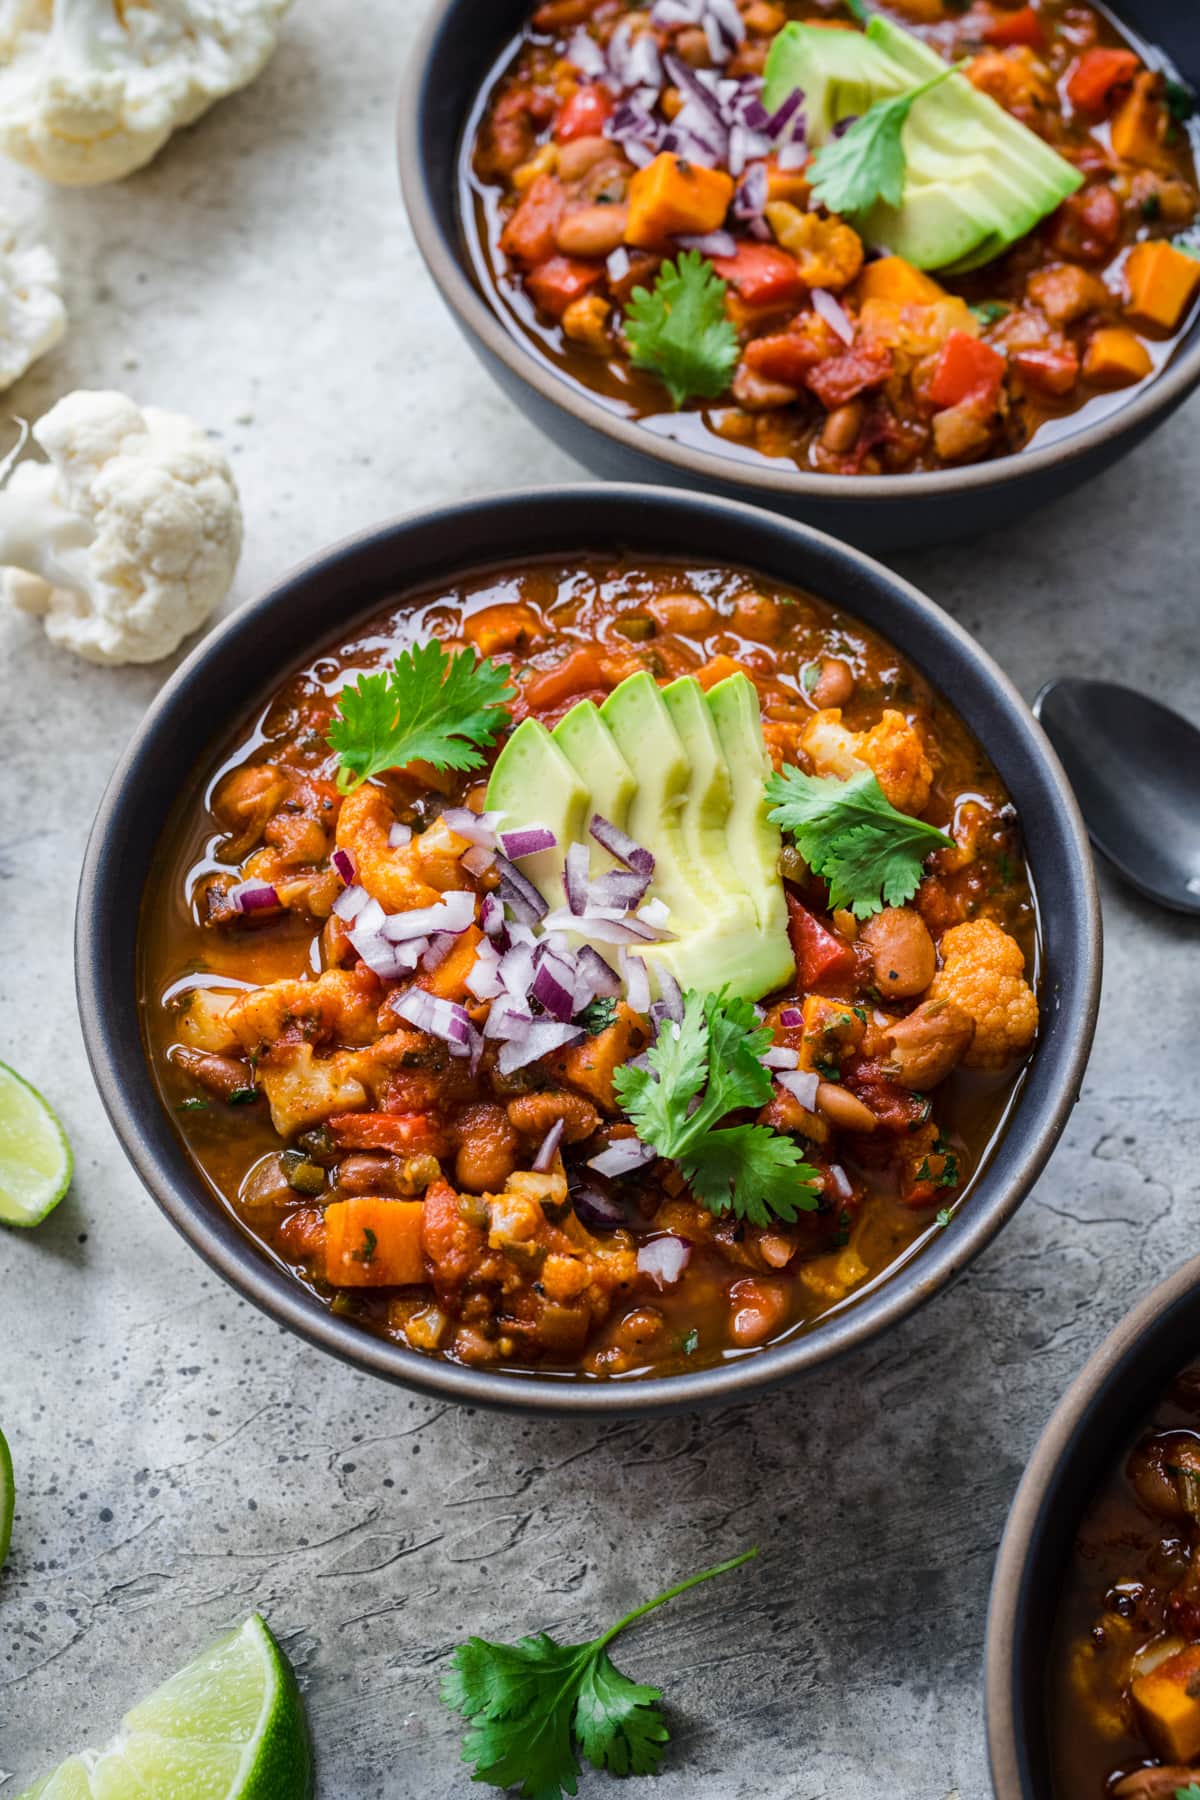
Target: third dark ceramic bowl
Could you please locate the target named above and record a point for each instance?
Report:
(247, 657)
(450, 64)
(1077, 1452)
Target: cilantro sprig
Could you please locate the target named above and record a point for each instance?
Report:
(532, 1708)
(867, 163)
(847, 831)
(430, 706)
(679, 331)
(698, 1072)
(1190, 1792)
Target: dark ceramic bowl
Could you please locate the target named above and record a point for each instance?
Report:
(1097, 1415)
(242, 662)
(449, 66)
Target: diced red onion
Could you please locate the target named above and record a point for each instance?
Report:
(655, 913)
(575, 877)
(399, 836)
(541, 1039)
(802, 1087)
(350, 902)
(549, 1148)
(791, 1016)
(597, 1208)
(343, 862)
(834, 314)
(254, 896)
(699, 93)
(622, 1157)
(477, 861)
(477, 828)
(637, 981)
(528, 841)
(454, 912)
(785, 114)
(391, 962)
(780, 1057)
(841, 1181)
(606, 926)
(519, 894)
(440, 946)
(676, 12)
(491, 916)
(443, 1019)
(643, 66)
(729, 21)
(620, 889)
(508, 1020)
(791, 156)
(600, 976)
(554, 988)
(483, 980)
(671, 995)
(710, 243)
(516, 970)
(371, 918)
(586, 55)
(664, 1259)
(618, 265)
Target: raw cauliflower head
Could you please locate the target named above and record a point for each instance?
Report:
(983, 972)
(128, 537)
(32, 315)
(92, 89)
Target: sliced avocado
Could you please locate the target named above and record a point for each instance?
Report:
(533, 783)
(977, 179)
(639, 721)
(753, 842)
(591, 748)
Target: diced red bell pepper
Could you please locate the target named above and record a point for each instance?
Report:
(1020, 27)
(585, 114)
(529, 234)
(403, 1133)
(762, 275)
(820, 954)
(967, 369)
(842, 378)
(556, 284)
(1054, 370)
(1096, 76)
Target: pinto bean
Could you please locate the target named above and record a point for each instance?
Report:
(403, 1176)
(681, 612)
(903, 953)
(534, 1114)
(691, 46)
(591, 230)
(927, 1044)
(842, 426)
(1151, 1470)
(487, 1149)
(582, 154)
(1154, 1784)
(222, 1075)
(759, 1308)
(834, 684)
(844, 1109)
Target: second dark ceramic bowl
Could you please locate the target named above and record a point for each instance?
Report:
(1077, 1452)
(245, 660)
(449, 66)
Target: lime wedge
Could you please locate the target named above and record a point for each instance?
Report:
(230, 1726)
(7, 1495)
(35, 1157)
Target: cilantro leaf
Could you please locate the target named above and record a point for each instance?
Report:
(847, 831)
(679, 331)
(430, 705)
(867, 163)
(1190, 1792)
(597, 1015)
(697, 1072)
(533, 1707)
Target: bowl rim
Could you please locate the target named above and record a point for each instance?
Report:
(448, 268)
(1068, 1428)
(197, 1216)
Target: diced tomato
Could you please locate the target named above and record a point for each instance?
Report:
(529, 234)
(967, 369)
(1086, 227)
(1020, 27)
(1096, 76)
(584, 114)
(558, 283)
(842, 378)
(820, 954)
(762, 274)
(408, 1134)
(1054, 370)
(896, 1107)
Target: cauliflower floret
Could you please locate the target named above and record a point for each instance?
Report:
(983, 972)
(32, 315)
(830, 253)
(92, 89)
(128, 537)
(893, 749)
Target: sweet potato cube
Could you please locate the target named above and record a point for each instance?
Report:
(1115, 358)
(1168, 1704)
(891, 278)
(671, 197)
(372, 1241)
(1162, 283)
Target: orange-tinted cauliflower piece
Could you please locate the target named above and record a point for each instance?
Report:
(893, 749)
(983, 972)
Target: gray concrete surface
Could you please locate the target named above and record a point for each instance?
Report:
(180, 1460)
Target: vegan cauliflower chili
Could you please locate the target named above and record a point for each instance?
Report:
(868, 244)
(1123, 1693)
(607, 967)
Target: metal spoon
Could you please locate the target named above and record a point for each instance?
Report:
(1135, 768)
